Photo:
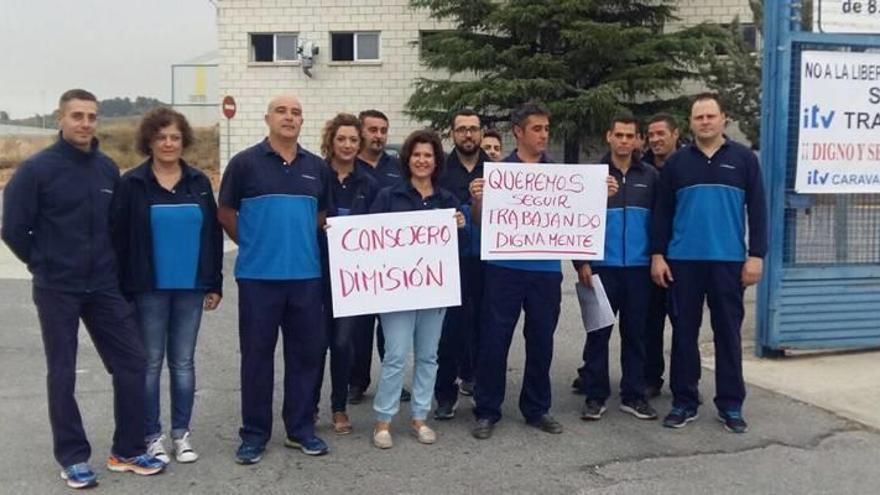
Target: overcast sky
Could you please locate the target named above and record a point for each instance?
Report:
(110, 47)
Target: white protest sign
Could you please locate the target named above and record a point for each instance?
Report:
(537, 211)
(393, 262)
(846, 16)
(839, 137)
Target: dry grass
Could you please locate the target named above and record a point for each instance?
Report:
(117, 140)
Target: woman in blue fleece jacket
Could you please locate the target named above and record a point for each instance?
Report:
(170, 251)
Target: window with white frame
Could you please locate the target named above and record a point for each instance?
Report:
(353, 46)
(274, 47)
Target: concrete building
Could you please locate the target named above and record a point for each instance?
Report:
(366, 55)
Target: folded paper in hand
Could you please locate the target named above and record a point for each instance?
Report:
(595, 307)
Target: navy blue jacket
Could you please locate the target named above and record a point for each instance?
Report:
(363, 192)
(404, 197)
(702, 202)
(628, 217)
(55, 218)
(132, 232)
(386, 172)
(456, 179)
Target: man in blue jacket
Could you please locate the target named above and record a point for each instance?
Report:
(700, 252)
(457, 352)
(56, 220)
(626, 276)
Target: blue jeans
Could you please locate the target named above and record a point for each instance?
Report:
(170, 319)
(419, 331)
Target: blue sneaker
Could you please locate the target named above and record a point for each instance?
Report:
(308, 446)
(679, 417)
(144, 465)
(79, 476)
(249, 453)
(733, 421)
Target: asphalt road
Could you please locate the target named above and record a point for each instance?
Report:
(790, 448)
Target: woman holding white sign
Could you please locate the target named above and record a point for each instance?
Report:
(421, 159)
(353, 191)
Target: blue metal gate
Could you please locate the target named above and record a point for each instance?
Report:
(821, 287)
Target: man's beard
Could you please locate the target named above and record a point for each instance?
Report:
(467, 153)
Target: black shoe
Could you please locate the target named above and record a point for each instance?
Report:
(679, 417)
(592, 410)
(466, 388)
(652, 391)
(444, 411)
(355, 395)
(547, 424)
(405, 396)
(638, 408)
(733, 421)
(483, 429)
(576, 386)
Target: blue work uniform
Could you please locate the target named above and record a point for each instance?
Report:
(278, 270)
(56, 220)
(351, 196)
(655, 363)
(461, 326)
(699, 225)
(509, 287)
(626, 276)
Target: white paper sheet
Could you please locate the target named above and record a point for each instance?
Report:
(595, 308)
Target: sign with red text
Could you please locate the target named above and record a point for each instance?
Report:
(839, 121)
(535, 211)
(393, 262)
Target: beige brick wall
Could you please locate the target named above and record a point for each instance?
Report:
(336, 86)
(347, 87)
(720, 11)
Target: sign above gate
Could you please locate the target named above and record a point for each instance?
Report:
(839, 136)
(846, 16)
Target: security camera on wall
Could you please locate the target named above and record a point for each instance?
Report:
(307, 51)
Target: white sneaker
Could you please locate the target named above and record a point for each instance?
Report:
(156, 449)
(183, 451)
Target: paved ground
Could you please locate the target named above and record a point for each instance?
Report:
(792, 447)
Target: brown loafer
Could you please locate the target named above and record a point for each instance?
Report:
(341, 424)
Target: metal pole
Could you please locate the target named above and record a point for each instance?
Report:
(228, 139)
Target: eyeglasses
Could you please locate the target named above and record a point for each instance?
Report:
(466, 130)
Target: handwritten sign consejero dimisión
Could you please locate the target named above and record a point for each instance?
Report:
(393, 262)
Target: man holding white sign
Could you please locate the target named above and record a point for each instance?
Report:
(523, 271)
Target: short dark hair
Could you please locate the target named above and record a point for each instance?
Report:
(464, 112)
(75, 94)
(376, 114)
(664, 117)
(521, 114)
(708, 96)
(417, 137)
(624, 119)
(493, 133)
(332, 127)
(154, 121)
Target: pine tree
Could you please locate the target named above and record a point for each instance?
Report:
(585, 59)
(734, 72)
